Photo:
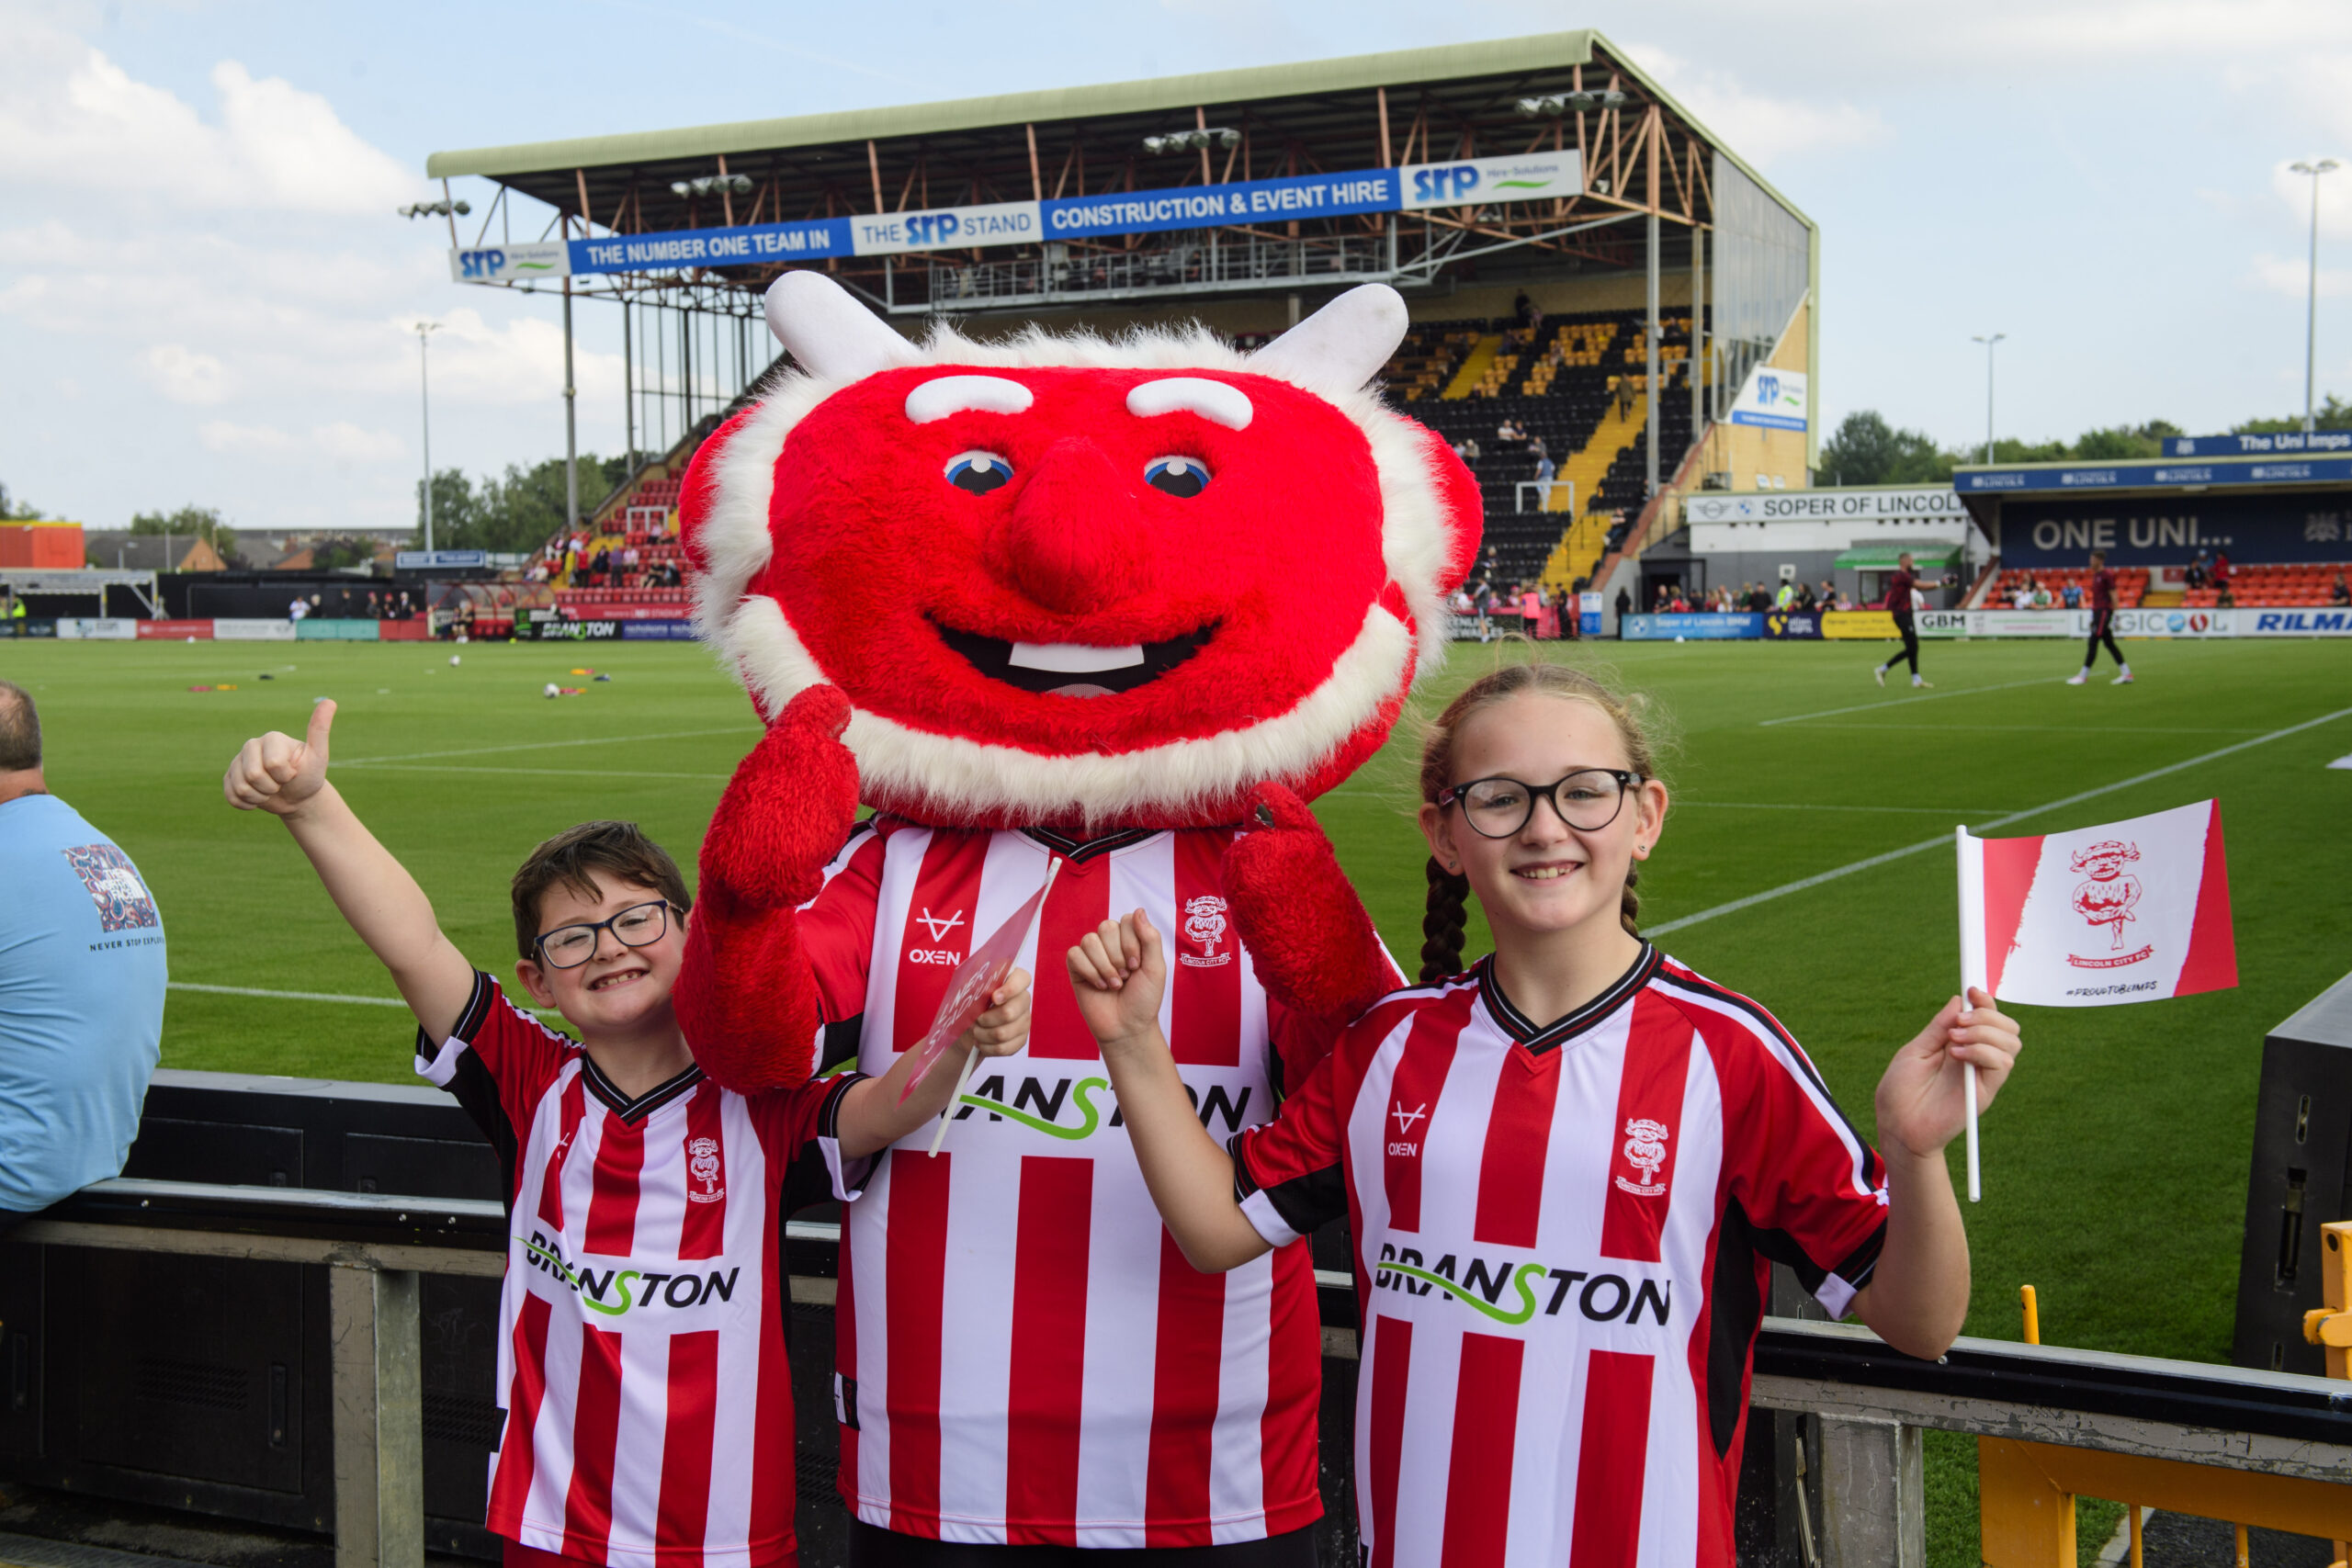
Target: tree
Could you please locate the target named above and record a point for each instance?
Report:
(334, 555)
(17, 511)
(2332, 414)
(1866, 450)
(519, 511)
(201, 522)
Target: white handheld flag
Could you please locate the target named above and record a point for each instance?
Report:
(2126, 912)
(2129, 911)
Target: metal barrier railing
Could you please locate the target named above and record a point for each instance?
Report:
(2275, 1446)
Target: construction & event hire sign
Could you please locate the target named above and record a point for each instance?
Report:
(1533, 176)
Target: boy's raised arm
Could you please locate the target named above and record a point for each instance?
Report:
(287, 778)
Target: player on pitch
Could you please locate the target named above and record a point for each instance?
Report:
(2102, 627)
(1900, 584)
(641, 1354)
(1568, 1170)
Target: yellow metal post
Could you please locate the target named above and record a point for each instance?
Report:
(2330, 1326)
(2032, 1315)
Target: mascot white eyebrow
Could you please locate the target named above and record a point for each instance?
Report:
(1109, 601)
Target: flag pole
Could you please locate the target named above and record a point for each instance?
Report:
(972, 1058)
(1972, 973)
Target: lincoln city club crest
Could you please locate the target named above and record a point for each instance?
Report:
(2107, 898)
(1645, 1150)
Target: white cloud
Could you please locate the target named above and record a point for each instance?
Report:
(243, 440)
(347, 442)
(70, 117)
(185, 376)
(2291, 275)
(1764, 128)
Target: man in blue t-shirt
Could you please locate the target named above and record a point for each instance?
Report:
(81, 984)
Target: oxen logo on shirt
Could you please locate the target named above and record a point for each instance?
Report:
(708, 1174)
(1205, 927)
(124, 904)
(1645, 1150)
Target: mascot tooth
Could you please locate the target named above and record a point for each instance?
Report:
(1129, 603)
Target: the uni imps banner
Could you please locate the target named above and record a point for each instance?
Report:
(2126, 912)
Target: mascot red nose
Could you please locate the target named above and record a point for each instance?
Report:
(1123, 603)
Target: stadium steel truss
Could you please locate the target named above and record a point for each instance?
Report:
(706, 218)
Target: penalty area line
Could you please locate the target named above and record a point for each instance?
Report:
(1944, 840)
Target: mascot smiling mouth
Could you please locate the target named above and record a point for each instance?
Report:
(1070, 669)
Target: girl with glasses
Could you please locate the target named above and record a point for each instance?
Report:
(1567, 1170)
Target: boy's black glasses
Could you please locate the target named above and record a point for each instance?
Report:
(1587, 800)
(639, 925)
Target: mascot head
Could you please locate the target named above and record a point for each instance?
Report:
(1066, 581)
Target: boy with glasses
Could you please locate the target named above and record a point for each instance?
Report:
(642, 1314)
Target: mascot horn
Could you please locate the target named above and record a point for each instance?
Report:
(1126, 603)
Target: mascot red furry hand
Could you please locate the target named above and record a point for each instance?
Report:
(1124, 604)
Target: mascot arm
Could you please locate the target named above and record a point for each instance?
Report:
(1309, 938)
(747, 994)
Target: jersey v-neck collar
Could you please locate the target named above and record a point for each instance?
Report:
(1084, 850)
(645, 1104)
(1540, 1038)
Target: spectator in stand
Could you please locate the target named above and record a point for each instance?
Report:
(2221, 574)
(1469, 449)
(2199, 568)
(81, 974)
(2022, 597)
(1482, 596)
(406, 608)
(1804, 595)
(2071, 596)
(1545, 472)
(298, 610)
(2340, 593)
(1760, 599)
(1828, 596)
(1785, 597)
(2042, 599)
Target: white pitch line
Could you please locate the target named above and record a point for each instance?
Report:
(542, 773)
(1922, 697)
(1944, 840)
(299, 996)
(2061, 728)
(1781, 805)
(537, 746)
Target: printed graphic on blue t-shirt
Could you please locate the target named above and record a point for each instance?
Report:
(81, 974)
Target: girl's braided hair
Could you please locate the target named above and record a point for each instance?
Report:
(1442, 921)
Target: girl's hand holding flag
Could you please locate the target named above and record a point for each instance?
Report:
(1923, 1098)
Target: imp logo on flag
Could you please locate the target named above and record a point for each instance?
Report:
(1204, 924)
(2107, 898)
(1645, 1150)
(124, 904)
(708, 1173)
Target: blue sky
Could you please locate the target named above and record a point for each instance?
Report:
(203, 286)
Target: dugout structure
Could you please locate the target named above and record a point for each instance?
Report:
(1463, 176)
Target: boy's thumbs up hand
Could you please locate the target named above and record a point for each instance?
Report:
(276, 774)
(789, 808)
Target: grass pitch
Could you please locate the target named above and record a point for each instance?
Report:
(2115, 1163)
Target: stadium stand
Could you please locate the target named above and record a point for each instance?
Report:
(2131, 585)
(2298, 585)
(1577, 383)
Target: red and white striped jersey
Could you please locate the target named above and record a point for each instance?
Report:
(1023, 1356)
(1563, 1242)
(640, 1356)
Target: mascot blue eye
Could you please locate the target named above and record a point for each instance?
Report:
(976, 473)
(1183, 478)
